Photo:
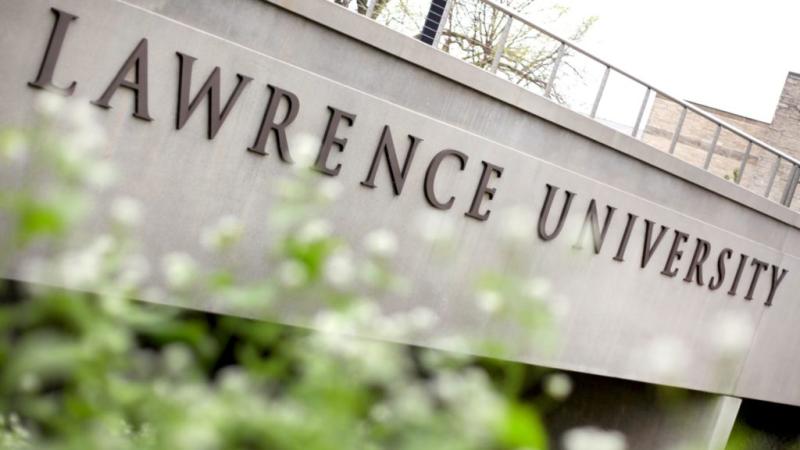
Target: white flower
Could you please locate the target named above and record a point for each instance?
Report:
(289, 189)
(489, 301)
(86, 139)
(591, 438)
(395, 326)
(434, 228)
(365, 311)
(378, 361)
(196, 435)
(380, 413)
(101, 174)
(731, 332)
(313, 231)
(381, 243)
(292, 274)
(179, 269)
(49, 104)
(16, 434)
(538, 288)
(470, 395)
(29, 382)
(558, 385)
(102, 245)
(134, 270)
(666, 356)
(518, 225)
(330, 189)
(455, 343)
(234, 379)
(411, 403)
(332, 322)
(559, 308)
(86, 134)
(154, 294)
(339, 269)
(126, 211)
(225, 233)
(421, 318)
(177, 358)
(82, 269)
(81, 115)
(304, 153)
(15, 146)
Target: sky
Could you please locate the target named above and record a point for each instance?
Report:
(730, 54)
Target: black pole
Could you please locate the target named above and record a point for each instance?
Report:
(432, 21)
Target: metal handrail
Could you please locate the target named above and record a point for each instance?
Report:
(564, 43)
(683, 103)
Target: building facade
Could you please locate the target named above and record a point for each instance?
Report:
(696, 135)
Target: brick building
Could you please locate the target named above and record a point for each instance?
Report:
(697, 134)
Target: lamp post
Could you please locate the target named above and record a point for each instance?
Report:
(434, 20)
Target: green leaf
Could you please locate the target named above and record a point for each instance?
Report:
(523, 428)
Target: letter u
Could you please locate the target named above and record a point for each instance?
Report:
(548, 203)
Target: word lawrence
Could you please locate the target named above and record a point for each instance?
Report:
(133, 75)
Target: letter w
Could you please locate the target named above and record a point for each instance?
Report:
(210, 89)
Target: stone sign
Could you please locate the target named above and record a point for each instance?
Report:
(630, 269)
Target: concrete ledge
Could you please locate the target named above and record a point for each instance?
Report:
(401, 46)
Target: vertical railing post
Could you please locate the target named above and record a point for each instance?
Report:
(772, 176)
(677, 134)
(744, 162)
(501, 45)
(370, 8)
(641, 112)
(791, 186)
(710, 154)
(600, 91)
(551, 81)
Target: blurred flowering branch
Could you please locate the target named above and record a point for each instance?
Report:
(87, 368)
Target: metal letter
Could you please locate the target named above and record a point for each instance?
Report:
(598, 236)
(674, 253)
(44, 80)
(330, 139)
(386, 147)
(650, 248)
(484, 190)
(433, 170)
(760, 265)
(210, 89)
(715, 282)
(268, 123)
(623, 245)
(738, 276)
(138, 62)
(545, 212)
(701, 251)
(776, 280)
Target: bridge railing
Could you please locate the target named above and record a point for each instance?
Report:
(503, 42)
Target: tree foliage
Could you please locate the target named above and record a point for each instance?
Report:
(474, 30)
